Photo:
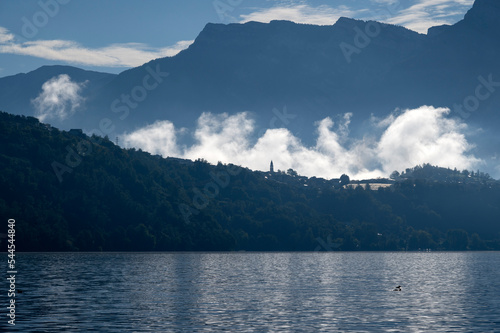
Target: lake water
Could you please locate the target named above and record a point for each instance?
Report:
(256, 292)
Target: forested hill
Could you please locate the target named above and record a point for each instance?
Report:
(71, 192)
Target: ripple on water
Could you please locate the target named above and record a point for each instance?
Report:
(254, 292)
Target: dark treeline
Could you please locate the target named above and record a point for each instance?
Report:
(71, 192)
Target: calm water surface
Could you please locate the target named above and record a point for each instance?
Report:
(256, 292)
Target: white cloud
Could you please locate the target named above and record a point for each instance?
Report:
(222, 135)
(158, 138)
(424, 135)
(321, 15)
(418, 17)
(60, 98)
(428, 13)
(114, 55)
(418, 136)
(5, 36)
(386, 2)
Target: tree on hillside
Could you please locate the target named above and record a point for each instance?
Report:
(344, 180)
(457, 240)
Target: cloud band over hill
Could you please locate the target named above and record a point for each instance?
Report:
(422, 135)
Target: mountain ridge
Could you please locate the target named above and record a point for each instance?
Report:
(484, 14)
(315, 71)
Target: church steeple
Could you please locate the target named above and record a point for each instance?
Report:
(271, 167)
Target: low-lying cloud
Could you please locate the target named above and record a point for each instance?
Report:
(60, 98)
(423, 135)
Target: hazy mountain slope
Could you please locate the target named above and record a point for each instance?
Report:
(18, 91)
(68, 191)
(257, 67)
(315, 71)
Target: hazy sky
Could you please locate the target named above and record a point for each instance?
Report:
(113, 35)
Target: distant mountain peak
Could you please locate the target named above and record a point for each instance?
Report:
(484, 14)
(282, 22)
(346, 22)
(485, 5)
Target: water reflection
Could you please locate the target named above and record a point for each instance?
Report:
(213, 292)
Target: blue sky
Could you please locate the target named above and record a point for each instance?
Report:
(114, 35)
